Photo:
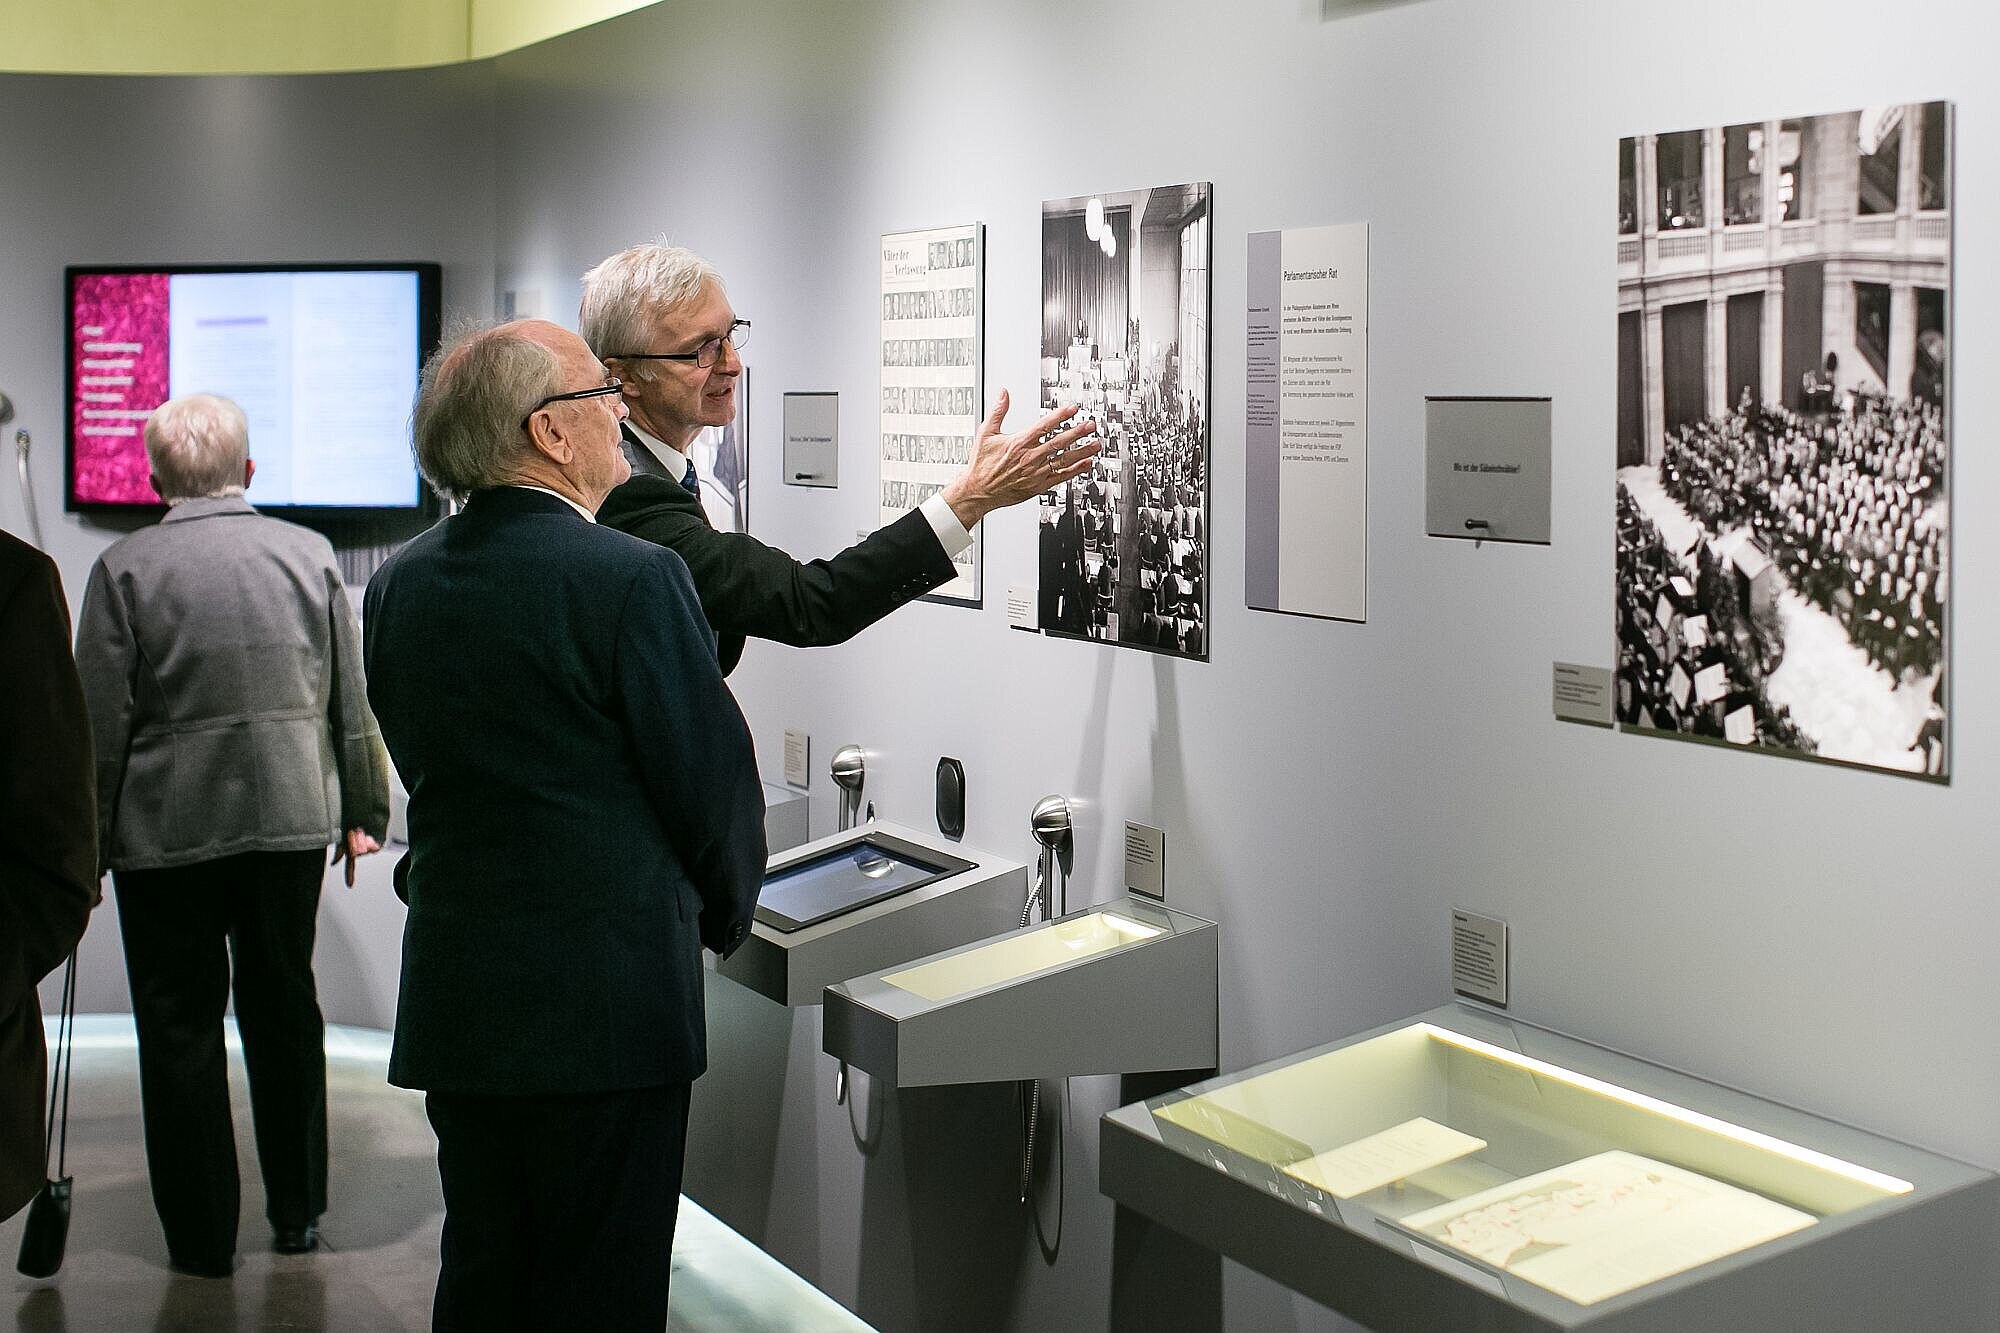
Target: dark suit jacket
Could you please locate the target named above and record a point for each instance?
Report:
(750, 589)
(584, 805)
(48, 842)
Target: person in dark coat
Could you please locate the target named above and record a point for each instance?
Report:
(585, 814)
(48, 843)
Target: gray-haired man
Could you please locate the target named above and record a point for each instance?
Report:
(658, 316)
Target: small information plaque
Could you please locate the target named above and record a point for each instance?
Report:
(1583, 694)
(1487, 468)
(1021, 608)
(812, 439)
(798, 761)
(1146, 860)
(1479, 957)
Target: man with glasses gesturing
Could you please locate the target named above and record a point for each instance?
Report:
(658, 316)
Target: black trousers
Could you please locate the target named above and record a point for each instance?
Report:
(182, 927)
(558, 1210)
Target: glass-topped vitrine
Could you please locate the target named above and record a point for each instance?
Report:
(1463, 1169)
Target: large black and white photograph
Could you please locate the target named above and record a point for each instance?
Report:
(1783, 506)
(1125, 337)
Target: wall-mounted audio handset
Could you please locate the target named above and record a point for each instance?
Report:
(849, 770)
(23, 442)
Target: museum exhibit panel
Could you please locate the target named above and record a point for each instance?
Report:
(1464, 1169)
(1123, 549)
(1784, 435)
(933, 376)
(866, 899)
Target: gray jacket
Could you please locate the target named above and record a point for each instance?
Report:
(222, 671)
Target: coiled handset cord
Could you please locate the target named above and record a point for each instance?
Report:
(1031, 1089)
(22, 443)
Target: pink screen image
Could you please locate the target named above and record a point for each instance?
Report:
(118, 360)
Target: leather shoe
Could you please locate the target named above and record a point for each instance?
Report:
(295, 1240)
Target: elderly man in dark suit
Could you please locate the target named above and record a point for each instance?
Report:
(585, 815)
(48, 842)
(658, 316)
(222, 668)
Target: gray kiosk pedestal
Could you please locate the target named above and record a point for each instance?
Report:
(785, 819)
(865, 899)
(1121, 988)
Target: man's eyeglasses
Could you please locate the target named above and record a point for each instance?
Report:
(703, 356)
(612, 385)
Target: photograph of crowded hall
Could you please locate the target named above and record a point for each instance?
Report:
(1125, 302)
(1783, 504)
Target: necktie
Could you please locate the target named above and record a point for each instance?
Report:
(690, 481)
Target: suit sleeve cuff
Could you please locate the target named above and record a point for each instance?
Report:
(951, 533)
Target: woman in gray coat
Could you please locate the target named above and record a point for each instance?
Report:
(222, 671)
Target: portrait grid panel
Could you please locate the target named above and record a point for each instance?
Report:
(933, 357)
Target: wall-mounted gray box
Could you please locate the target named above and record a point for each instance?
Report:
(812, 439)
(1487, 468)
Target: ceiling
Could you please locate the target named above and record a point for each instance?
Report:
(278, 36)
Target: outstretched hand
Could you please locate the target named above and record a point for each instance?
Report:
(1007, 469)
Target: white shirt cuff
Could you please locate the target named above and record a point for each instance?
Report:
(951, 533)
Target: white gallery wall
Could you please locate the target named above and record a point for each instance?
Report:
(1329, 791)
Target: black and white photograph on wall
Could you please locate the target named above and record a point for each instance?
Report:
(1125, 337)
(932, 381)
(1783, 500)
(721, 456)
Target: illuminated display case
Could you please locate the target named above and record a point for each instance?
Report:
(1123, 987)
(1466, 1170)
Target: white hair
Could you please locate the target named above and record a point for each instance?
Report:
(474, 391)
(197, 445)
(625, 293)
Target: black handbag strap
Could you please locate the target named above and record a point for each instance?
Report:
(65, 1058)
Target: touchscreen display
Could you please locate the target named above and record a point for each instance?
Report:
(841, 881)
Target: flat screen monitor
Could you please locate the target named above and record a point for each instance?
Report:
(322, 358)
(848, 878)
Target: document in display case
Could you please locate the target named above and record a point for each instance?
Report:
(1463, 1169)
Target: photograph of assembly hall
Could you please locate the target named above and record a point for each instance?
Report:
(1783, 509)
(1125, 337)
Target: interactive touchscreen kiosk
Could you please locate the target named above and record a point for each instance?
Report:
(847, 878)
(867, 899)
